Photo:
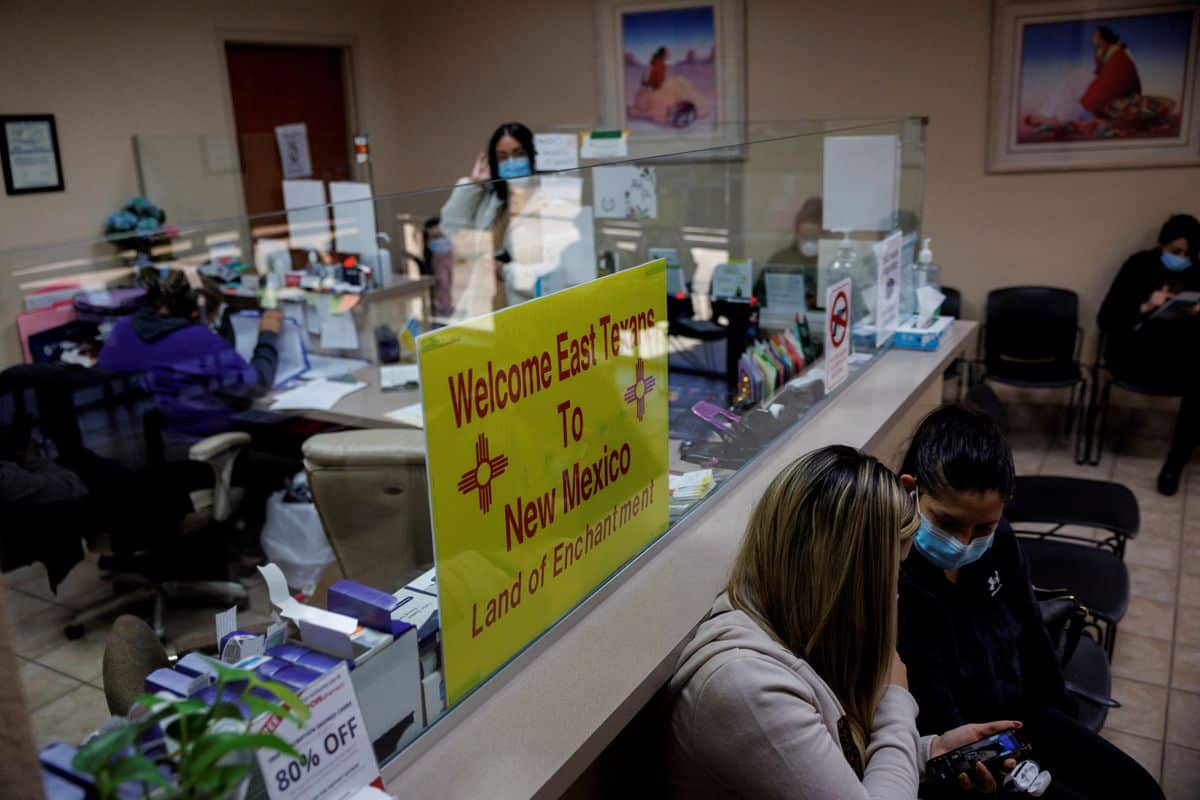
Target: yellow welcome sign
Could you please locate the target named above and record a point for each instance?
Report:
(546, 426)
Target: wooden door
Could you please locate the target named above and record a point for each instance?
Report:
(274, 85)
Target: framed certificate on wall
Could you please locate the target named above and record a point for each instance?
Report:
(29, 154)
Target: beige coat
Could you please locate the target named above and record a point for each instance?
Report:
(750, 719)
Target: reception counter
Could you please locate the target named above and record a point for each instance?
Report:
(535, 727)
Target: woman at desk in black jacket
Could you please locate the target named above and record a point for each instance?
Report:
(971, 632)
(1157, 351)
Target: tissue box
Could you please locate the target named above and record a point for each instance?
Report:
(910, 337)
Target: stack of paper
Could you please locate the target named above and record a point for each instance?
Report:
(408, 415)
(320, 394)
(691, 486)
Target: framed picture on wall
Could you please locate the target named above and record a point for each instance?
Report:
(1094, 84)
(672, 72)
(29, 154)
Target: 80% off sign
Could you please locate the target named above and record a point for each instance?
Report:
(336, 756)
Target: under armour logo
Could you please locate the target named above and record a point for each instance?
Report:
(994, 583)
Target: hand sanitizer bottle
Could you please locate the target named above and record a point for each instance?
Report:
(926, 272)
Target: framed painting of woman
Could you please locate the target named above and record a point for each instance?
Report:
(1094, 84)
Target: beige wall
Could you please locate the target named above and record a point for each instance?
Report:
(813, 59)
(434, 79)
(155, 70)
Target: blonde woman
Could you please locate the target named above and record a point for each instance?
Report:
(791, 686)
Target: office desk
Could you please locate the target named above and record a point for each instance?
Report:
(365, 408)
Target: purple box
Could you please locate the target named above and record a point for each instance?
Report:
(295, 677)
(268, 669)
(57, 756)
(371, 607)
(168, 680)
(197, 664)
(302, 656)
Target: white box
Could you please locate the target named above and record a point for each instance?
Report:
(433, 695)
(426, 583)
(388, 685)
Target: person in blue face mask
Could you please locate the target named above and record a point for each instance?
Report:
(971, 632)
(494, 195)
(1148, 350)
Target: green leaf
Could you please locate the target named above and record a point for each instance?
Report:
(215, 746)
(99, 751)
(300, 709)
(259, 706)
(137, 768)
(219, 780)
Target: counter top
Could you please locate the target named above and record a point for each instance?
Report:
(543, 718)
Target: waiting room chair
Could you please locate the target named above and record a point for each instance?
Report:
(1097, 413)
(371, 492)
(1084, 663)
(212, 510)
(1031, 339)
(1094, 571)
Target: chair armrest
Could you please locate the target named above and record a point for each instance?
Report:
(217, 445)
(1095, 699)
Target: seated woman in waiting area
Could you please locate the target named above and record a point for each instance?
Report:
(791, 686)
(971, 631)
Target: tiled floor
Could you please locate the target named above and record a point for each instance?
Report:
(1156, 664)
(61, 678)
(1156, 667)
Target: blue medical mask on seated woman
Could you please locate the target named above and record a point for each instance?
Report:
(1175, 263)
(515, 167)
(945, 551)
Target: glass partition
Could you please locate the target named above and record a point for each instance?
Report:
(752, 231)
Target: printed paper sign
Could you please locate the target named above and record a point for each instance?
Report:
(733, 279)
(785, 292)
(293, 150)
(546, 426)
(604, 144)
(337, 757)
(625, 192)
(837, 334)
(556, 151)
(676, 284)
(887, 287)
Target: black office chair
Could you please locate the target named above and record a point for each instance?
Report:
(1031, 339)
(1084, 663)
(1094, 571)
(1098, 406)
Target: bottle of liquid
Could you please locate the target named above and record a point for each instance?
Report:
(847, 264)
(926, 272)
(843, 265)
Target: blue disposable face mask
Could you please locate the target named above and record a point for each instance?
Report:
(1175, 263)
(945, 551)
(439, 244)
(515, 167)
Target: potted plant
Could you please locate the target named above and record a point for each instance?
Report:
(209, 749)
(138, 225)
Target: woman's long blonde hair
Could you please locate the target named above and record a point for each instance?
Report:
(819, 570)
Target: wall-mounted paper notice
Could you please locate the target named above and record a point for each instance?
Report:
(625, 192)
(604, 144)
(556, 151)
(353, 217)
(308, 219)
(861, 183)
(293, 150)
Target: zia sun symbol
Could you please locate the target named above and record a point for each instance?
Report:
(479, 478)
